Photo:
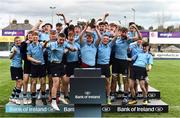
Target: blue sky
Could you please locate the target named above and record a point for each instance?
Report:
(147, 12)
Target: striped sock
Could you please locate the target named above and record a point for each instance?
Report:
(18, 91)
(33, 95)
(43, 94)
(58, 93)
(13, 94)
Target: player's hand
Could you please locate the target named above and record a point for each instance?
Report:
(60, 14)
(70, 21)
(40, 21)
(133, 25)
(106, 15)
(27, 41)
(38, 62)
(99, 19)
(66, 50)
(129, 59)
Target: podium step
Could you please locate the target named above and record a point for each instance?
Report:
(155, 106)
(153, 93)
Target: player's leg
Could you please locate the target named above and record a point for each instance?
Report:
(54, 92)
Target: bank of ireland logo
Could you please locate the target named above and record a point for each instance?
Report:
(151, 95)
(158, 109)
(87, 93)
(106, 109)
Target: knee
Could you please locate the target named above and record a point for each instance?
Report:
(43, 83)
(19, 83)
(114, 77)
(33, 82)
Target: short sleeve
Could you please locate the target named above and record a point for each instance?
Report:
(29, 52)
(150, 59)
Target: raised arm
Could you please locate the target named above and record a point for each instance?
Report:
(37, 25)
(104, 17)
(99, 36)
(138, 37)
(115, 36)
(82, 33)
(64, 18)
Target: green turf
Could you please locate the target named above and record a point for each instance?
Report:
(165, 76)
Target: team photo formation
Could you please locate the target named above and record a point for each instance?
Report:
(49, 57)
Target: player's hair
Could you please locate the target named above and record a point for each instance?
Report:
(35, 33)
(78, 26)
(123, 29)
(101, 23)
(49, 25)
(145, 44)
(58, 24)
(113, 24)
(89, 34)
(131, 23)
(17, 37)
(70, 33)
(53, 32)
(61, 35)
(106, 23)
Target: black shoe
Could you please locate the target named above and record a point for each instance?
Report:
(33, 102)
(66, 97)
(44, 101)
(125, 101)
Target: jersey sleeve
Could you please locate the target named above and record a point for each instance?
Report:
(12, 49)
(134, 57)
(150, 59)
(29, 51)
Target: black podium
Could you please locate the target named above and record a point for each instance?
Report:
(87, 92)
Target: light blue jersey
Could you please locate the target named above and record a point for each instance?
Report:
(142, 59)
(57, 51)
(36, 52)
(135, 49)
(104, 52)
(121, 48)
(88, 54)
(73, 56)
(131, 35)
(16, 60)
(44, 36)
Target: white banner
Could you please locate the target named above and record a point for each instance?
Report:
(167, 55)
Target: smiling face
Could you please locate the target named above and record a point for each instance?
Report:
(132, 29)
(77, 30)
(59, 28)
(61, 40)
(102, 28)
(17, 41)
(30, 37)
(35, 37)
(52, 36)
(47, 28)
(145, 48)
(105, 40)
(89, 38)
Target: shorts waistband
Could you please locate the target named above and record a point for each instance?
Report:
(56, 62)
